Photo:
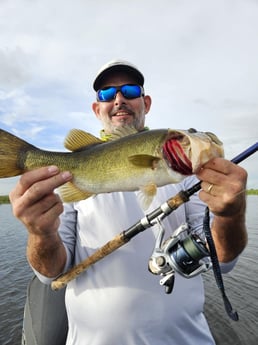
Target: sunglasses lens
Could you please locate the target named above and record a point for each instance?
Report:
(131, 91)
(107, 94)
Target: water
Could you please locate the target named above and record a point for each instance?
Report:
(14, 276)
(241, 285)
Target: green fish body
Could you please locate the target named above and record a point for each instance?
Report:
(129, 162)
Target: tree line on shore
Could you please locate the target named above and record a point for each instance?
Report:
(4, 199)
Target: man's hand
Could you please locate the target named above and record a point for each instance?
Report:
(35, 203)
(224, 191)
(223, 187)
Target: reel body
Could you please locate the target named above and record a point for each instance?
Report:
(184, 252)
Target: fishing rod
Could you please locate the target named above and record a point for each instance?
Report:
(149, 220)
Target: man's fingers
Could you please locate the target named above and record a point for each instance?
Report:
(39, 182)
(30, 177)
(34, 201)
(41, 188)
(43, 216)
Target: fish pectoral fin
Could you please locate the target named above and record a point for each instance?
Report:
(144, 161)
(78, 139)
(70, 193)
(146, 195)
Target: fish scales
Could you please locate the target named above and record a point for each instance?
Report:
(141, 160)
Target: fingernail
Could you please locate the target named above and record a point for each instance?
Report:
(53, 169)
(66, 175)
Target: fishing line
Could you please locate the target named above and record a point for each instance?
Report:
(216, 267)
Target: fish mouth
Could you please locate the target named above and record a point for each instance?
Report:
(175, 156)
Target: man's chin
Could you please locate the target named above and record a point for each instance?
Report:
(122, 121)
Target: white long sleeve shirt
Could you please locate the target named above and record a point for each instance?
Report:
(118, 301)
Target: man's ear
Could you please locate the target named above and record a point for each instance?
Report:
(95, 108)
(147, 103)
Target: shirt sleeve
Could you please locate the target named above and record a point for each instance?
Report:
(67, 232)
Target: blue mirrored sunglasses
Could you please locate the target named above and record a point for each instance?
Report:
(128, 91)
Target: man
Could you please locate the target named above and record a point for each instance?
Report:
(117, 301)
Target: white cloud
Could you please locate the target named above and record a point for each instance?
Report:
(14, 69)
(199, 59)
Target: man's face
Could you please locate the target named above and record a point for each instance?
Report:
(121, 111)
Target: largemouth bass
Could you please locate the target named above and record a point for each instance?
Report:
(129, 162)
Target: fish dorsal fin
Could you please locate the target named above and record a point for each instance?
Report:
(146, 195)
(70, 193)
(121, 132)
(144, 161)
(77, 139)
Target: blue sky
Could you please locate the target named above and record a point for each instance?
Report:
(199, 59)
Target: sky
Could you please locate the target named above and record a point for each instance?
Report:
(199, 59)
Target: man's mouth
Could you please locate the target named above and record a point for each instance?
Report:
(122, 113)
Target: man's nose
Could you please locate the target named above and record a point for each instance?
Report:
(119, 99)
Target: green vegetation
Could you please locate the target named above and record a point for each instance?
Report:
(4, 199)
(252, 192)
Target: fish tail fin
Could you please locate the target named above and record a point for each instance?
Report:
(12, 154)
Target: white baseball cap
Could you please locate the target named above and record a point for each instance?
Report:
(117, 65)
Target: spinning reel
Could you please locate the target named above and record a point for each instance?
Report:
(184, 252)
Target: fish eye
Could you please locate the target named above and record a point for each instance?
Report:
(192, 130)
